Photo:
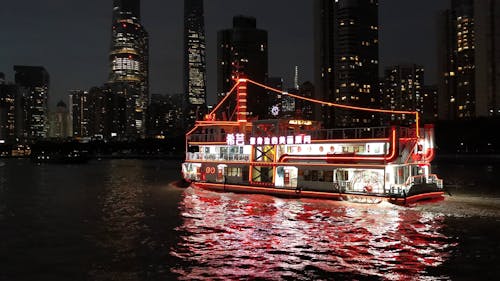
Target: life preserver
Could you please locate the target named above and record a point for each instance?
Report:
(368, 188)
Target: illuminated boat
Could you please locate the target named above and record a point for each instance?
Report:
(297, 158)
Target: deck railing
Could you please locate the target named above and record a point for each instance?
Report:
(339, 133)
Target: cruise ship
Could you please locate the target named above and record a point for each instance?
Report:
(298, 158)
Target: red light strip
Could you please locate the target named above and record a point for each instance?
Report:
(340, 105)
(422, 196)
(241, 101)
(285, 164)
(327, 141)
(387, 158)
(429, 155)
(267, 188)
(225, 98)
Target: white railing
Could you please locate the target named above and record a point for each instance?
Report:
(217, 157)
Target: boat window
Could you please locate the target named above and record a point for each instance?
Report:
(233, 172)
(314, 175)
(328, 176)
(401, 175)
(342, 175)
(307, 175)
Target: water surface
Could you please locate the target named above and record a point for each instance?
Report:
(124, 220)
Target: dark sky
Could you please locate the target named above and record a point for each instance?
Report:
(71, 38)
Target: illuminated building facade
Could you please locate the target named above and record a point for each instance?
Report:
(430, 103)
(402, 90)
(129, 67)
(346, 60)
(469, 53)
(33, 83)
(305, 109)
(80, 110)
(457, 56)
(60, 122)
(282, 104)
(98, 107)
(8, 93)
(243, 51)
(194, 62)
(165, 113)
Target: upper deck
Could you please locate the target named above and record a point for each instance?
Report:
(218, 134)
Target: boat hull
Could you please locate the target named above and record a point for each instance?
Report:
(299, 193)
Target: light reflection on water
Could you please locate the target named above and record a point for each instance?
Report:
(121, 220)
(255, 236)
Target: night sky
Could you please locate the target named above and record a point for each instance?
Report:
(71, 39)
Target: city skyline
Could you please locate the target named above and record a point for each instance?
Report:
(55, 43)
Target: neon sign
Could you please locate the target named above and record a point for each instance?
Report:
(239, 139)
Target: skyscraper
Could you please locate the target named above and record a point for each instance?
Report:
(194, 62)
(80, 109)
(487, 59)
(469, 52)
(346, 59)
(457, 61)
(165, 115)
(430, 104)
(402, 90)
(8, 93)
(243, 51)
(129, 65)
(33, 83)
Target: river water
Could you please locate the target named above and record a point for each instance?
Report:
(125, 220)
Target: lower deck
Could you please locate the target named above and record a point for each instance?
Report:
(368, 184)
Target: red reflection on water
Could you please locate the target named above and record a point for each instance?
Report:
(235, 236)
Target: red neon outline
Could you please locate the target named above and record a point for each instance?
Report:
(429, 155)
(224, 99)
(198, 161)
(314, 194)
(387, 158)
(342, 105)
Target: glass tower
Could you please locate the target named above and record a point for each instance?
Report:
(33, 83)
(129, 66)
(194, 62)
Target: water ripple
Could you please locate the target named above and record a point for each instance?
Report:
(229, 236)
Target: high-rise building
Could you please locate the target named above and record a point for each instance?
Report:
(8, 93)
(430, 104)
(243, 52)
(458, 70)
(129, 66)
(469, 52)
(296, 77)
(165, 115)
(402, 90)
(305, 109)
(487, 59)
(60, 122)
(99, 106)
(195, 101)
(33, 83)
(79, 102)
(281, 104)
(346, 60)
